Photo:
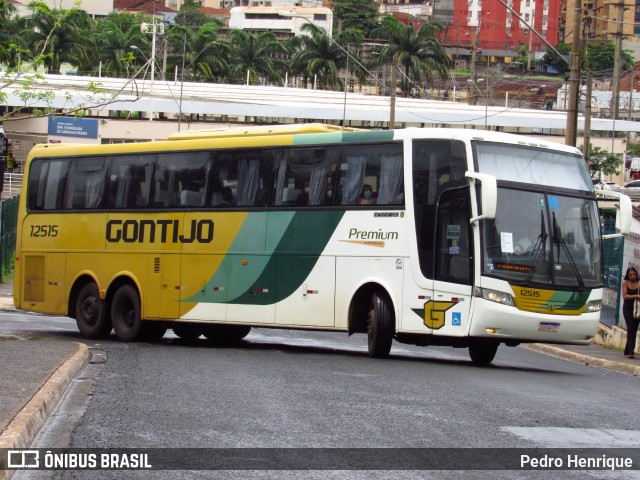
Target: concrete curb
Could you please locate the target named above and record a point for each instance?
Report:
(587, 360)
(26, 424)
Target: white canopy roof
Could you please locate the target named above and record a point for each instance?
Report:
(285, 103)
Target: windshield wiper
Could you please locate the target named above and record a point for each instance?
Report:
(557, 238)
(538, 248)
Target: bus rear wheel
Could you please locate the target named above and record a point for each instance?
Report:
(225, 334)
(125, 313)
(152, 331)
(380, 325)
(482, 352)
(91, 313)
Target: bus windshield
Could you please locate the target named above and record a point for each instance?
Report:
(541, 236)
(519, 163)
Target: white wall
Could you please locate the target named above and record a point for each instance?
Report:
(273, 22)
(92, 7)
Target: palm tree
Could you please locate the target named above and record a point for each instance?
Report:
(54, 35)
(11, 27)
(325, 57)
(114, 36)
(418, 51)
(199, 53)
(255, 53)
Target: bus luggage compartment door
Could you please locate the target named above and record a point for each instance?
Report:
(44, 283)
(312, 300)
(163, 287)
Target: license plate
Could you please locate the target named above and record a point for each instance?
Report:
(548, 327)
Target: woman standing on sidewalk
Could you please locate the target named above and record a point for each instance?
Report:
(630, 293)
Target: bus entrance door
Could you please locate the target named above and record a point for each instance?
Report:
(453, 263)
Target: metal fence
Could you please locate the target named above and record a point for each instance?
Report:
(12, 184)
(8, 227)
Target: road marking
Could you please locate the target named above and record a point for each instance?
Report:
(559, 437)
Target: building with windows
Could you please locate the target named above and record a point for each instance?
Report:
(604, 18)
(151, 7)
(95, 8)
(495, 32)
(217, 4)
(283, 21)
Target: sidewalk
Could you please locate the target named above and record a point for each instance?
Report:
(36, 372)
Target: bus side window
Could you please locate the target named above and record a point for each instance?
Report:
(302, 177)
(376, 168)
(244, 177)
(391, 180)
(47, 179)
(130, 181)
(86, 183)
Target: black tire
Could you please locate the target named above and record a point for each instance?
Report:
(125, 313)
(482, 352)
(381, 325)
(187, 331)
(152, 331)
(91, 313)
(225, 334)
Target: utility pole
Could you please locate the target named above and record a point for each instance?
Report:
(617, 61)
(631, 85)
(394, 80)
(571, 130)
(472, 69)
(587, 117)
(586, 34)
(530, 48)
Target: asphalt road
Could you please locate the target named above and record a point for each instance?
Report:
(290, 389)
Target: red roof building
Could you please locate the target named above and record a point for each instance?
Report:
(152, 7)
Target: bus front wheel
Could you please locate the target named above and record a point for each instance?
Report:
(125, 313)
(380, 325)
(91, 313)
(482, 352)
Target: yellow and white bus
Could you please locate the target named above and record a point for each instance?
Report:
(438, 236)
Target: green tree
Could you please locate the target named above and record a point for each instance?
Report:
(633, 149)
(599, 57)
(294, 65)
(355, 14)
(554, 60)
(203, 56)
(115, 35)
(602, 161)
(325, 57)
(57, 34)
(190, 15)
(11, 43)
(255, 53)
(417, 50)
(20, 79)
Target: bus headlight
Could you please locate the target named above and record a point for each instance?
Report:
(593, 306)
(494, 296)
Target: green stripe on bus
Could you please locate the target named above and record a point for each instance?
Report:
(294, 242)
(569, 300)
(301, 244)
(343, 137)
(368, 136)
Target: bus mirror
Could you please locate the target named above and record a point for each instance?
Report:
(625, 212)
(489, 195)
